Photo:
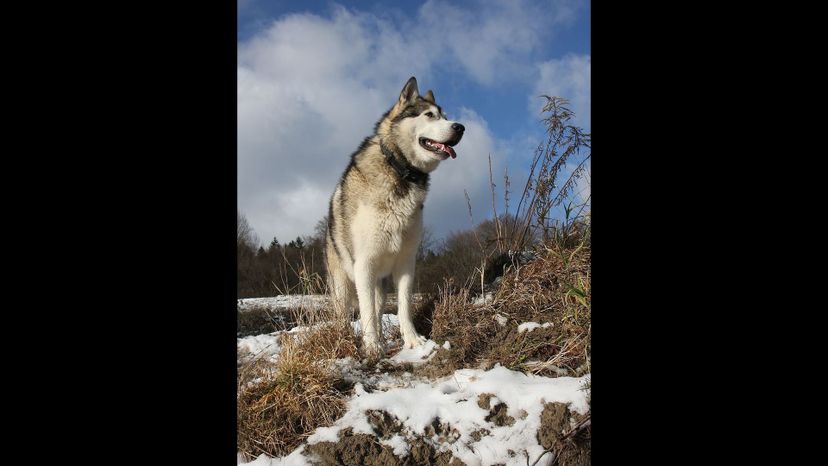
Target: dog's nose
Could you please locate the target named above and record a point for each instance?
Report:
(458, 127)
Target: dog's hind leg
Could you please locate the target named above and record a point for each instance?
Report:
(379, 301)
(341, 289)
(343, 296)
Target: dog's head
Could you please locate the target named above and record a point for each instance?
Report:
(417, 126)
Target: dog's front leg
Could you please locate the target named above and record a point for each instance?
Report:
(365, 284)
(403, 280)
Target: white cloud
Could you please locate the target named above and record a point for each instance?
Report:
(446, 208)
(310, 88)
(306, 98)
(568, 77)
(493, 40)
(583, 187)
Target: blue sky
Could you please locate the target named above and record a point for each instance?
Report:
(314, 76)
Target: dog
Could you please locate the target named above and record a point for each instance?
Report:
(375, 216)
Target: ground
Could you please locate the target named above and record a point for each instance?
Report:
(397, 412)
(503, 379)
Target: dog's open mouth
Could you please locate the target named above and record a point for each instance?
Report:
(438, 148)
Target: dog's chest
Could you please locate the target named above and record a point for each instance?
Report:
(402, 212)
(392, 224)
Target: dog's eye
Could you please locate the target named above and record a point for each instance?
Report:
(429, 114)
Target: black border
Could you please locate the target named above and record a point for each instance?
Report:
(140, 148)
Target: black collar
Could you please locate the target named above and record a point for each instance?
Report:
(403, 168)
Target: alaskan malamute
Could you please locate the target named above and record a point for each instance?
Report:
(375, 218)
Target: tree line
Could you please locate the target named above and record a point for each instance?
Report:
(299, 265)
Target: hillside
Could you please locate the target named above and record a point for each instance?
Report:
(503, 380)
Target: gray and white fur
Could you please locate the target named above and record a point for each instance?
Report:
(375, 217)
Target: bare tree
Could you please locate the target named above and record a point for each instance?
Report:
(244, 232)
(427, 243)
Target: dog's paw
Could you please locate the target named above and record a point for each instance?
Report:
(413, 340)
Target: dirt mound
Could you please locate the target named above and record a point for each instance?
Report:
(556, 423)
(363, 449)
(444, 362)
(497, 413)
(353, 450)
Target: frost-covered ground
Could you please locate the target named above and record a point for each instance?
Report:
(283, 302)
(259, 345)
(267, 345)
(316, 301)
(417, 402)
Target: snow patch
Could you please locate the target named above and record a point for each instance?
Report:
(418, 354)
(295, 458)
(260, 345)
(398, 443)
(453, 400)
(529, 326)
(483, 299)
(282, 302)
(389, 323)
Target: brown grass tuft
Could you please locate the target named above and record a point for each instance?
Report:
(555, 287)
(279, 404)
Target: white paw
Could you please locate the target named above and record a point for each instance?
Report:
(411, 340)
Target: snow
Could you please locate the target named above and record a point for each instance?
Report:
(294, 459)
(417, 355)
(327, 434)
(389, 323)
(483, 299)
(267, 344)
(529, 326)
(453, 400)
(501, 319)
(398, 443)
(294, 301)
(417, 401)
(353, 372)
(282, 302)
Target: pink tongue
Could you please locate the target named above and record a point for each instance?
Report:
(447, 149)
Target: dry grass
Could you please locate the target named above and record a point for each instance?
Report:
(555, 288)
(280, 404)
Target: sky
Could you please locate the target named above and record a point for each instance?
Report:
(315, 76)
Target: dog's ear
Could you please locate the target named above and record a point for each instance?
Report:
(430, 97)
(409, 92)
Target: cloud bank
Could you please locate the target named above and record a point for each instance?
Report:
(311, 87)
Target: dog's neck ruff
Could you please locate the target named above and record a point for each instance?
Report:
(406, 171)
